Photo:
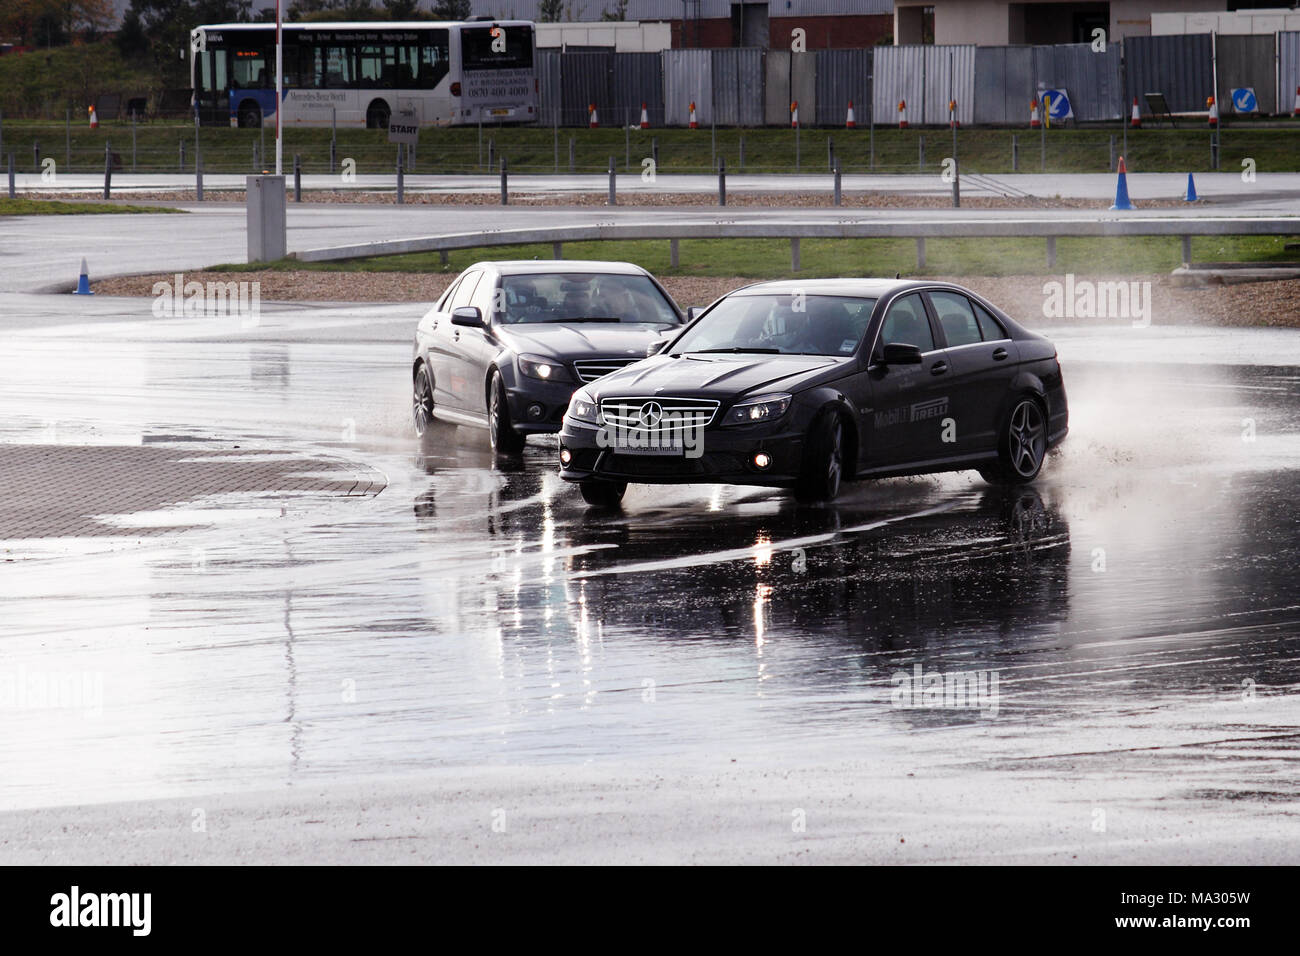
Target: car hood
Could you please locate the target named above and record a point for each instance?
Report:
(569, 342)
(718, 376)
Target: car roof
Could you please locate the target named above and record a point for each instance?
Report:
(867, 287)
(550, 266)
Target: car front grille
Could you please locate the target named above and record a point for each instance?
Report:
(591, 369)
(654, 413)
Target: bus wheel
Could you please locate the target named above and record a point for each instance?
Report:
(250, 116)
(377, 114)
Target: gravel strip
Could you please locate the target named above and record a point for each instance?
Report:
(1272, 304)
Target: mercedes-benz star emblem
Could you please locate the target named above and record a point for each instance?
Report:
(650, 415)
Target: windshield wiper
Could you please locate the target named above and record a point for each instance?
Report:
(737, 348)
(588, 318)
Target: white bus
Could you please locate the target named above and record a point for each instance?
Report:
(358, 74)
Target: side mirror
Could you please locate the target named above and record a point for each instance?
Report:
(654, 348)
(470, 317)
(900, 353)
(692, 313)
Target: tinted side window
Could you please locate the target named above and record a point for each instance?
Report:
(464, 290)
(955, 318)
(444, 304)
(990, 327)
(483, 296)
(906, 323)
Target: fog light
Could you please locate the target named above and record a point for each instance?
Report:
(535, 411)
(566, 456)
(762, 460)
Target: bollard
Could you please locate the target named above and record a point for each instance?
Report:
(956, 186)
(257, 163)
(505, 195)
(722, 180)
(108, 170)
(654, 152)
(332, 157)
(1214, 150)
(12, 194)
(742, 152)
(830, 154)
(796, 149)
(837, 185)
(182, 155)
(920, 152)
(1015, 153)
(198, 177)
(36, 154)
(297, 178)
(492, 151)
(1113, 154)
(1187, 250)
(573, 155)
(401, 178)
(133, 141)
(613, 197)
(794, 253)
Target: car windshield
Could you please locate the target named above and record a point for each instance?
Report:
(793, 324)
(582, 297)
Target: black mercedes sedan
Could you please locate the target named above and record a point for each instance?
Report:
(509, 342)
(805, 384)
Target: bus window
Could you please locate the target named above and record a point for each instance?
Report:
(476, 51)
(326, 67)
(377, 68)
(434, 59)
(251, 69)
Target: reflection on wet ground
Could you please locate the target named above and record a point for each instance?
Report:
(473, 614)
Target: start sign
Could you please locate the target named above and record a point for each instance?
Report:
(404, 127)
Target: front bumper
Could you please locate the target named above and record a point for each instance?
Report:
(552, 397)
(726, 457)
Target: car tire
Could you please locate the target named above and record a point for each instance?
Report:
(822, 473)
(603, 494)
(1022, 444)
(505, 440)
(422, 408)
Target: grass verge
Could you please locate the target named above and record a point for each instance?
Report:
(55, 207)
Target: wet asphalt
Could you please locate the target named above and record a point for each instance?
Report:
(1135, 607)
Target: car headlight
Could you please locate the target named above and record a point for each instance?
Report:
(534, 366)
(764, 408)
(582, 407)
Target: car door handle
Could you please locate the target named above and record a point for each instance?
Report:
(938, 368)
(999, 354)
(455, 336)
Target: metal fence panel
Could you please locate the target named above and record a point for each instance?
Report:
(949, 75)
(1288, 70)
(636, 79)
(1246, 61)
(803, 87)
(584, 81)
(991, 87)
(898, 73)
(738, 87)
(549, 95)
(776, 94)
(1178, 66)
(688, 78)
(843, 77)
(1090, 79)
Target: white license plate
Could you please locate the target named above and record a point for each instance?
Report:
(500, 112)
(661, 451)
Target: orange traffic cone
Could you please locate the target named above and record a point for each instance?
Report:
(694, 124)
(902, 114)
(592, 119)
(952, 115)
(794, 114)
(1034, 122)
(645, 117)
(851, 122)
(1296, 111)
(94, 120)
(1136, 121)
(1214, 111)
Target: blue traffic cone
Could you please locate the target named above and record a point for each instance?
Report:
(1121, 188)
(83, 282)
(1191, 190)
